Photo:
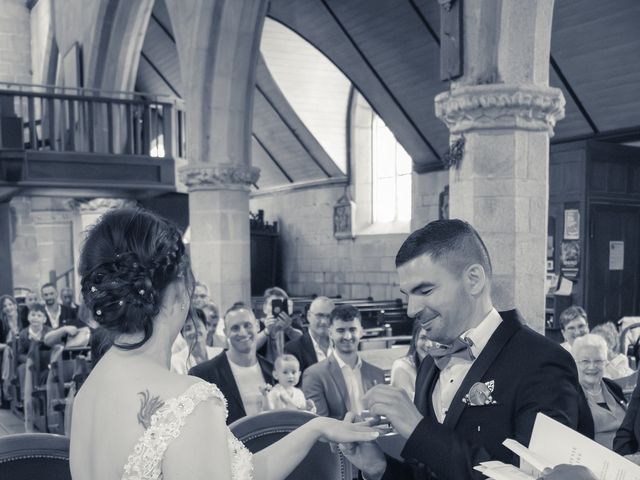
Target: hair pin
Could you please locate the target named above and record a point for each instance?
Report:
(93, 288)
(141, 292)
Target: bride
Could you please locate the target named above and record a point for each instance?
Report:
(133, 418)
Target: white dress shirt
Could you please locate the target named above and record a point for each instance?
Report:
(353, 380)
(319, 351)
(249, 381)
(452, 376)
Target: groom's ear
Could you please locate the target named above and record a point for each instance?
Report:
(475, 279)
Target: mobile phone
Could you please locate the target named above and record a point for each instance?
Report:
(278, 305)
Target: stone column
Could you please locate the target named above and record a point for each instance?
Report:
(220, 236)
(88, 212)
(218, 46)
(504, 111)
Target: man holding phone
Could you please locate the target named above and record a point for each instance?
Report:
(277, 330)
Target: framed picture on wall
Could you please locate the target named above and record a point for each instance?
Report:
(572, 224)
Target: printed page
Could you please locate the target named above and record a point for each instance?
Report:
(502, 471)
(556, 444)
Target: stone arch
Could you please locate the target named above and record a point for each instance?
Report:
(115, 48)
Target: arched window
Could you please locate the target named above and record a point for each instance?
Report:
(391, 176)
(381, 174)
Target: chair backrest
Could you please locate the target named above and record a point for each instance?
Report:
(260, 431)
(34, 456)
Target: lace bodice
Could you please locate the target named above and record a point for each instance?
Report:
(166, 424)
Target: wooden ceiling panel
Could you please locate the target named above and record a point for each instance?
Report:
(396, 42)
(573, 124)
(270, 174)
(597, 46)
(282, 145)
(314, 22)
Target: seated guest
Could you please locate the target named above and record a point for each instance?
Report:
(9, 330)
(278, 329)
(212, 318)
(30, 298)
(314, 345)
(57, 315)
(9, 321)
(197, 351)
(239, 372)
(573, 323)
(617, 364)
(67, 297)
(337, 384)
(200, 296)
(404, 369)
(605, 398)
(285, 395)
(627, 439)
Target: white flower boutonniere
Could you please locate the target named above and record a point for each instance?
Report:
(480, 394)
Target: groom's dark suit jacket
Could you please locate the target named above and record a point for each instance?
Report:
(218, 371)
(531, 374)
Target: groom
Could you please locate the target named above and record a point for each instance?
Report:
(488, 385)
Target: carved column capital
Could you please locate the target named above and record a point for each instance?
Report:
(497, 106)
(224, 176)
(102, 205)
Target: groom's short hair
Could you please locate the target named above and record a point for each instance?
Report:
(454, 243)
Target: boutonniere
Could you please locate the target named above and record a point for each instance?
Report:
(480, 394)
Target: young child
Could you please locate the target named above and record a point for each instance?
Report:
(285, 395)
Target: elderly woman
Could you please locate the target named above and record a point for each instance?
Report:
(605, 397)
(404, 369)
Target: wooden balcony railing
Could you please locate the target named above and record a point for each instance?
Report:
(88, 121)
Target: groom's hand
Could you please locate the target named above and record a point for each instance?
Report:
(366, 456)
(394, 404)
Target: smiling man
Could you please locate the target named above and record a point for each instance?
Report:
(487, 383)
(315, 344)
(337, 385)
(239, 372)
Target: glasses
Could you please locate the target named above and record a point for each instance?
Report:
(586, 363)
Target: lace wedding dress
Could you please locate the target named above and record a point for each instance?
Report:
(166, 424)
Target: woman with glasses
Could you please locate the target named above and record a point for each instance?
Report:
(605, 397)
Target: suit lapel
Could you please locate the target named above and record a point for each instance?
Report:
(308, 350)
(227, 377)
(338, 380)
(425, 383)
(496, 343)
(370, 376)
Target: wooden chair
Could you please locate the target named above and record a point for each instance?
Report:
(260, 431)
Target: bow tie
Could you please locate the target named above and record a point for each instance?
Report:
(460, 348)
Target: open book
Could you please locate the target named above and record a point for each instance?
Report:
(552, 444)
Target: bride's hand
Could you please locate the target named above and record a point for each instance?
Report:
(337, 431)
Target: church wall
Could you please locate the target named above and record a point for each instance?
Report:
(15, 41)
(313, 261)
(42, 240)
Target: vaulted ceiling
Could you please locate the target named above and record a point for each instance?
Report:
(389, 50)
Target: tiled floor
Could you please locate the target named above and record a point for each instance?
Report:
(9, 423)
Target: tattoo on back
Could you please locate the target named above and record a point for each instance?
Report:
(148, 406)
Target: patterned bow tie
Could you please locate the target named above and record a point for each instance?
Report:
(460, 348)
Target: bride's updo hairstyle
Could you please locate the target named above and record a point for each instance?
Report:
(128, 259)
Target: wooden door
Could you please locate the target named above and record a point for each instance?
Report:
(614, 276)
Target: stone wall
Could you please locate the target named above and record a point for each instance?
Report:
(313, 261)
(15, 42)
(42, 240)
